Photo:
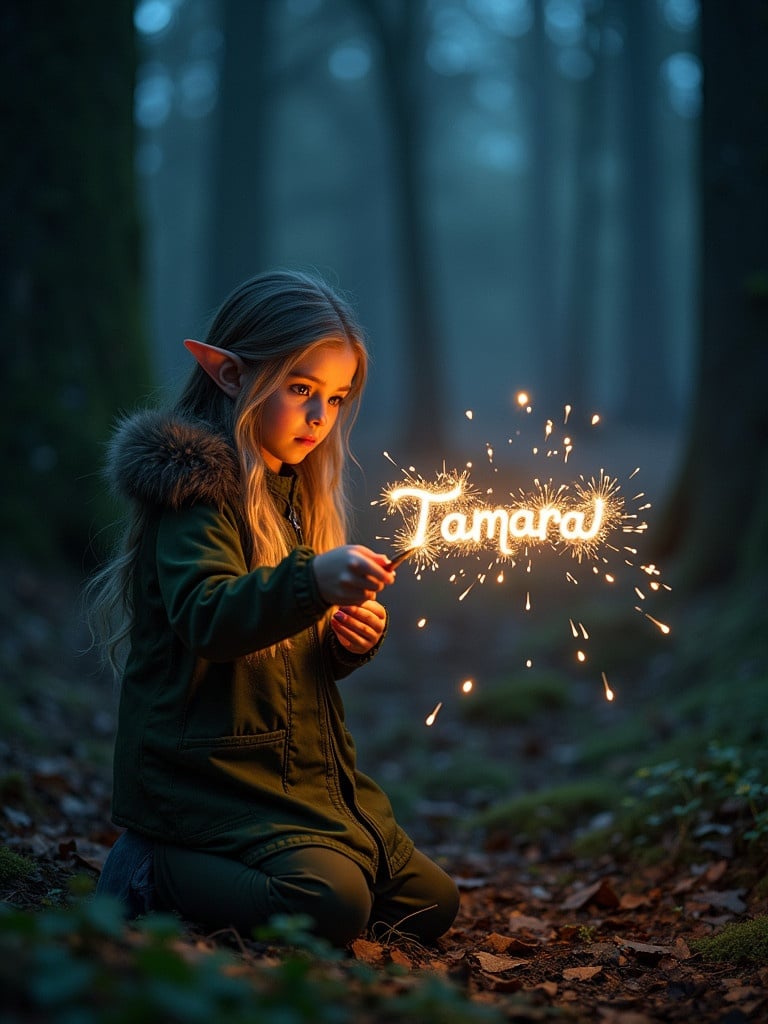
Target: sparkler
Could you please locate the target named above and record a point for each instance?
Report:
(448, 516)
(399, 559)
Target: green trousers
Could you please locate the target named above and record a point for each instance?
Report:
(421, 901)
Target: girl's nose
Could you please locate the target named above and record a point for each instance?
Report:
(316, 411)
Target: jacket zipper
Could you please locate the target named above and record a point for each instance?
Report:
(356, 813)
(295, 522)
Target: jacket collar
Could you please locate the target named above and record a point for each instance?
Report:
(160, 458)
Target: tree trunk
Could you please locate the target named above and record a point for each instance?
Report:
(238, 228)
(399, 33)
(717, 520)
(647, 387)
(71, 309)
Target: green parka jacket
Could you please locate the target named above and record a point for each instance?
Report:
(216, 750)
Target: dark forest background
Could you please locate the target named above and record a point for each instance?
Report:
(566, 196)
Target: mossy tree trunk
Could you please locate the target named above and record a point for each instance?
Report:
(717, 522)
(71, 319)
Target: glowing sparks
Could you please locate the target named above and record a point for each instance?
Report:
(586, 518)
(662, 626)
(609, 694)
(430, 719)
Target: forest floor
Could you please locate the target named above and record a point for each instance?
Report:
(595, 843)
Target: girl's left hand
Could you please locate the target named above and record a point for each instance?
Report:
(358, 628)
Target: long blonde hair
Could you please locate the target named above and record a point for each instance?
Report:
(271, 321)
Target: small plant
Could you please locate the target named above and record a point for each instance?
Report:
(719, 793)
(83, 963)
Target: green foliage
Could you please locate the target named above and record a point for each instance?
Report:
(13, 866)
(741, 942)
(83, 963)
(678, 796)
(722, 792)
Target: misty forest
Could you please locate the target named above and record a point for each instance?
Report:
(551, 218)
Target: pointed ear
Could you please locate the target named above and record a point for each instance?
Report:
(225, 368)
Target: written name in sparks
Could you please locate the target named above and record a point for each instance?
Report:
(448, 516)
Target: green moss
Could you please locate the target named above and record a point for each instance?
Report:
(13, 866)
(551, 810)
(518, 698)
(743, 942)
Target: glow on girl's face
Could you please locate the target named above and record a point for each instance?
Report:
(302, 412)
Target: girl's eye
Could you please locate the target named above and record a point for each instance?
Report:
(300, 389)
(336, 400)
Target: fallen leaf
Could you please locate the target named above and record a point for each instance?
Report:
(728, 899)
(633, 900)
(492, 963)
(684, 885)
(368, 952)
(397, 956)
(548, 987)
(601, 893)
(646, 950)
(581, 973)
(522, 923)
(716, 871)
(505, 943)
(681, 950)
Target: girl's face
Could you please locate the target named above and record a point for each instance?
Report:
(301, 413)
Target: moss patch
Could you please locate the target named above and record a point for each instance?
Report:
(13, 866)
(744, 942)
(551, 810)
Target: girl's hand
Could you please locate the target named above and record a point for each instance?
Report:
(351, 575)
(358, 628)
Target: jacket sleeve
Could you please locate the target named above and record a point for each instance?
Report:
(219, 608)
(343, 662)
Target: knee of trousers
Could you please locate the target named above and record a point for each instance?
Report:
(339, 907)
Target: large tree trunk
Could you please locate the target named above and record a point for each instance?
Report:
(647, 387)
(238, 228)
(399, 30)
(718, 517)
(71, 311)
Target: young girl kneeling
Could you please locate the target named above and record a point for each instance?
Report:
(243, 604)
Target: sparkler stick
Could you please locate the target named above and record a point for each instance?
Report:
(399, 559)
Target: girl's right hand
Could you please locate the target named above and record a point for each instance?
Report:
(351, 574)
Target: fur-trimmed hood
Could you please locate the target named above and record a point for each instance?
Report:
(160, 458)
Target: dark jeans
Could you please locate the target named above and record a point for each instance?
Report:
(421, 901)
